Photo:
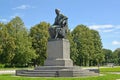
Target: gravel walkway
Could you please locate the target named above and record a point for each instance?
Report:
(7, 71)
(115, 72)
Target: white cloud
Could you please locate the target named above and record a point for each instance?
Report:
(116, 42)
(16, 14)
(3, 20)
(108, 30)
(23, 7)
(100, 26)
(105, 28)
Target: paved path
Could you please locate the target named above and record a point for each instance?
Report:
(115, 72)
(7, 71)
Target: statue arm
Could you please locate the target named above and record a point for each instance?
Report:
(62, 20)
(64, 17)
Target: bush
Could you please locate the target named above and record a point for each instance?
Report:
(2, 65)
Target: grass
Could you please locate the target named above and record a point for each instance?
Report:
(114, 69)
(105, 77)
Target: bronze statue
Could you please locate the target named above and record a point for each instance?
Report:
(59, 29)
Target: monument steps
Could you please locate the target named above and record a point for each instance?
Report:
(34, 73)
(39, 75)
(56, 72)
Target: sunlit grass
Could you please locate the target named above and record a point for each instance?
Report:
(104, 77)
(111, 69)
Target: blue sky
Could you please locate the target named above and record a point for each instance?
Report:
(101, 15)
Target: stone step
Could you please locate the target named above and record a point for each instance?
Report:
(57, 71)
(38, 75)
(52, 67)
(43, 72)
(57, 68)
(53, 74)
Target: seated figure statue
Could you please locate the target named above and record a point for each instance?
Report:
(59, 29)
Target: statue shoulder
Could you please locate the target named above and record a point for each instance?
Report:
(63, 16)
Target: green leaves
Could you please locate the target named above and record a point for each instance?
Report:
(39, 35)
(73, 48)
(116, 56)
(15, 44)
(24, 52)
(7, 45)
(88, 44)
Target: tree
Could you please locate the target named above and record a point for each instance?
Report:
(1, 32)
(89, 45)
(108, 55)
(73, 47)
(116, 55)
(7, 44)
(39, 35)
(24, 52)
(80, 37)
(97, 44)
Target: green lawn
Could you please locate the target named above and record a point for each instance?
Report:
(104, 77)
(114, 69)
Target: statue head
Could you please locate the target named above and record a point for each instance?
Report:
(57, 11)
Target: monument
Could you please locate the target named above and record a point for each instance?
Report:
(58, 62)
(58, 47)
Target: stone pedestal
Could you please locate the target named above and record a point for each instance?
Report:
(58, 53)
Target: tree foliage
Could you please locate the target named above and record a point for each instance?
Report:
(15, 44)
(88, 45)
(108, 56)
(116, 55)
(97, 47)
(23, 51)
(39, 35)
(73, 48)
(7, 44)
